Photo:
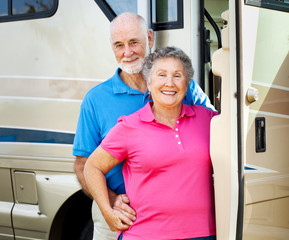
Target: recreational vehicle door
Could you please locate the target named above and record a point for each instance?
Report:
(264, 118)
(249, 139)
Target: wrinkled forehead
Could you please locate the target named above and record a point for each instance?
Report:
(127, 30)
(127, 33)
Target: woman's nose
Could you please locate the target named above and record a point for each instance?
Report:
(169, 81)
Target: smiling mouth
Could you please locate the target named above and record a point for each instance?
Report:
(129, 60)
(168, 93)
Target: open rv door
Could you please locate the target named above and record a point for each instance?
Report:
(264, 116)
(249, 139)
(224, 142)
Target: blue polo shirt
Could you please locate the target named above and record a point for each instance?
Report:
(100, 110)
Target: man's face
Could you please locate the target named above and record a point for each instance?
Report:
(130, 46)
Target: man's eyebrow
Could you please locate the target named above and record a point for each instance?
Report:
(134, 39)
(115, 43)
(131, 40)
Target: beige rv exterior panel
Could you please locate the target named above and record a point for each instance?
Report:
(224, 136)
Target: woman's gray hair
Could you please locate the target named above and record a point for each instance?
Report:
(167, 52)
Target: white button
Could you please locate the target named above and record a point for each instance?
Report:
(178, 121)
(179, 142)
(177, 135)
(177, 129)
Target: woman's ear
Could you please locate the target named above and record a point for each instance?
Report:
(148, 85)
(149, 90)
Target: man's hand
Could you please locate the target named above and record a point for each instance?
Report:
(121, 204)
(117, 221)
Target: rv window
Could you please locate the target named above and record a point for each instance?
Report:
(26, 9)
(166, 14)
(282, 5)
(3, 8)
(121, 6)
(31, 6)
(112, 8)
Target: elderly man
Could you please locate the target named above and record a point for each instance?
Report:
(122, 94)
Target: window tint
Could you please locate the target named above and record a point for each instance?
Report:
(164, 11)
(121, 6)
(112, 8)
(13, 10)
(166, 14)
(31, 6)
(282, 5)
(3, 8)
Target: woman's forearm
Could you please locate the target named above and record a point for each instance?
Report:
(96, 184)
(97, 165)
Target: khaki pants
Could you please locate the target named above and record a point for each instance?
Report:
(101, 229)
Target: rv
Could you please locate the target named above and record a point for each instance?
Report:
(53, 51)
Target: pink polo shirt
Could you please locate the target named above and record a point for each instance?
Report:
(167, 173)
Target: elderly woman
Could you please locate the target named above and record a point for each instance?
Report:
(167, 166)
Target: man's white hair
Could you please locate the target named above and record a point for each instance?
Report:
(126, 18)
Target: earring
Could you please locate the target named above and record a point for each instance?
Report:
(150, 96)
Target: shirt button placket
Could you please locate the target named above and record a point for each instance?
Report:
(177, 134)
(178, 139)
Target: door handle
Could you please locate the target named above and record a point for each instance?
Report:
(260, 131)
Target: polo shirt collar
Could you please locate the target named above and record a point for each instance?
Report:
(120, 87)
(147, 115)
(188, 111)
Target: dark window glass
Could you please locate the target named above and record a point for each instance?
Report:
(3, 8)
(15, 10)
(166, 14)
(120, 6)
(281, 5)
(164, 11)
(31, 6)
(112, 8)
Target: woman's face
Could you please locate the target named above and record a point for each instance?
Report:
(168, 83)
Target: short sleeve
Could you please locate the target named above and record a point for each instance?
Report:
(211, 113)
(87, 136)
(115, 141)
(115, 144)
